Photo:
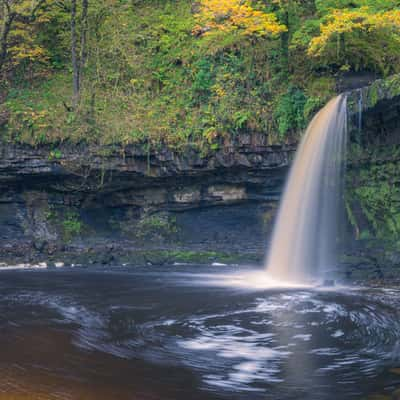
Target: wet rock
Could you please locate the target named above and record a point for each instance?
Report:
(227, 193)
(396, 395)
(187, 196)
(395, 371)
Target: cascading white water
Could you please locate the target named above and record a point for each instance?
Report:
(304, 241)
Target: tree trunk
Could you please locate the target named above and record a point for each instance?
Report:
(285, 39)
(343, 48)
(84, 30)
(8, 19)
(74, 57)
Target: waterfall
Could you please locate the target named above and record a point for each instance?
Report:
(304, 240)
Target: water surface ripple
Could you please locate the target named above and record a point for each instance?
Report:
(179, 333)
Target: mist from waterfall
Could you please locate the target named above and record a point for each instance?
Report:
(305, 236)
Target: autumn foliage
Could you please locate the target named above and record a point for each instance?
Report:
(182, 71)
(358, 37)
(235, 15)
(349, 21)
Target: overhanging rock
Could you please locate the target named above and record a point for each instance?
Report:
(374, 112)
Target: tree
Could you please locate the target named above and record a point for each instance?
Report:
(78, 54)
(292, 14)
(235, 16)
(359, 38)
(16, 13)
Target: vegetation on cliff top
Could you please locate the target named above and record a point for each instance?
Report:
(180, 72)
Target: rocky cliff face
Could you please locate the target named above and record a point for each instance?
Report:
(374, 112)
(372, 180)
(105, 204)
(123, 205)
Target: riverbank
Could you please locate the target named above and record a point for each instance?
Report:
(357, 273)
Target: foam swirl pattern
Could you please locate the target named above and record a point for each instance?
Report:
(170, 335)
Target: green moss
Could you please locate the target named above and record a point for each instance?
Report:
(289, 111)
(372, 199)
(155, 257)
(55, 154)
(387, 88)
(67, 222)
(373, 95)
(195, 257)
(72, 226)
(394, 85)
(163, 225)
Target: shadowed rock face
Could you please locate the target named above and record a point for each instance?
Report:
(90, 199)
(372, 180)
(379, 105)
(111, 204)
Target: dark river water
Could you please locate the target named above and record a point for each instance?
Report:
(192, 333)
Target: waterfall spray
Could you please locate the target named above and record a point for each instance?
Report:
(304, 241)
